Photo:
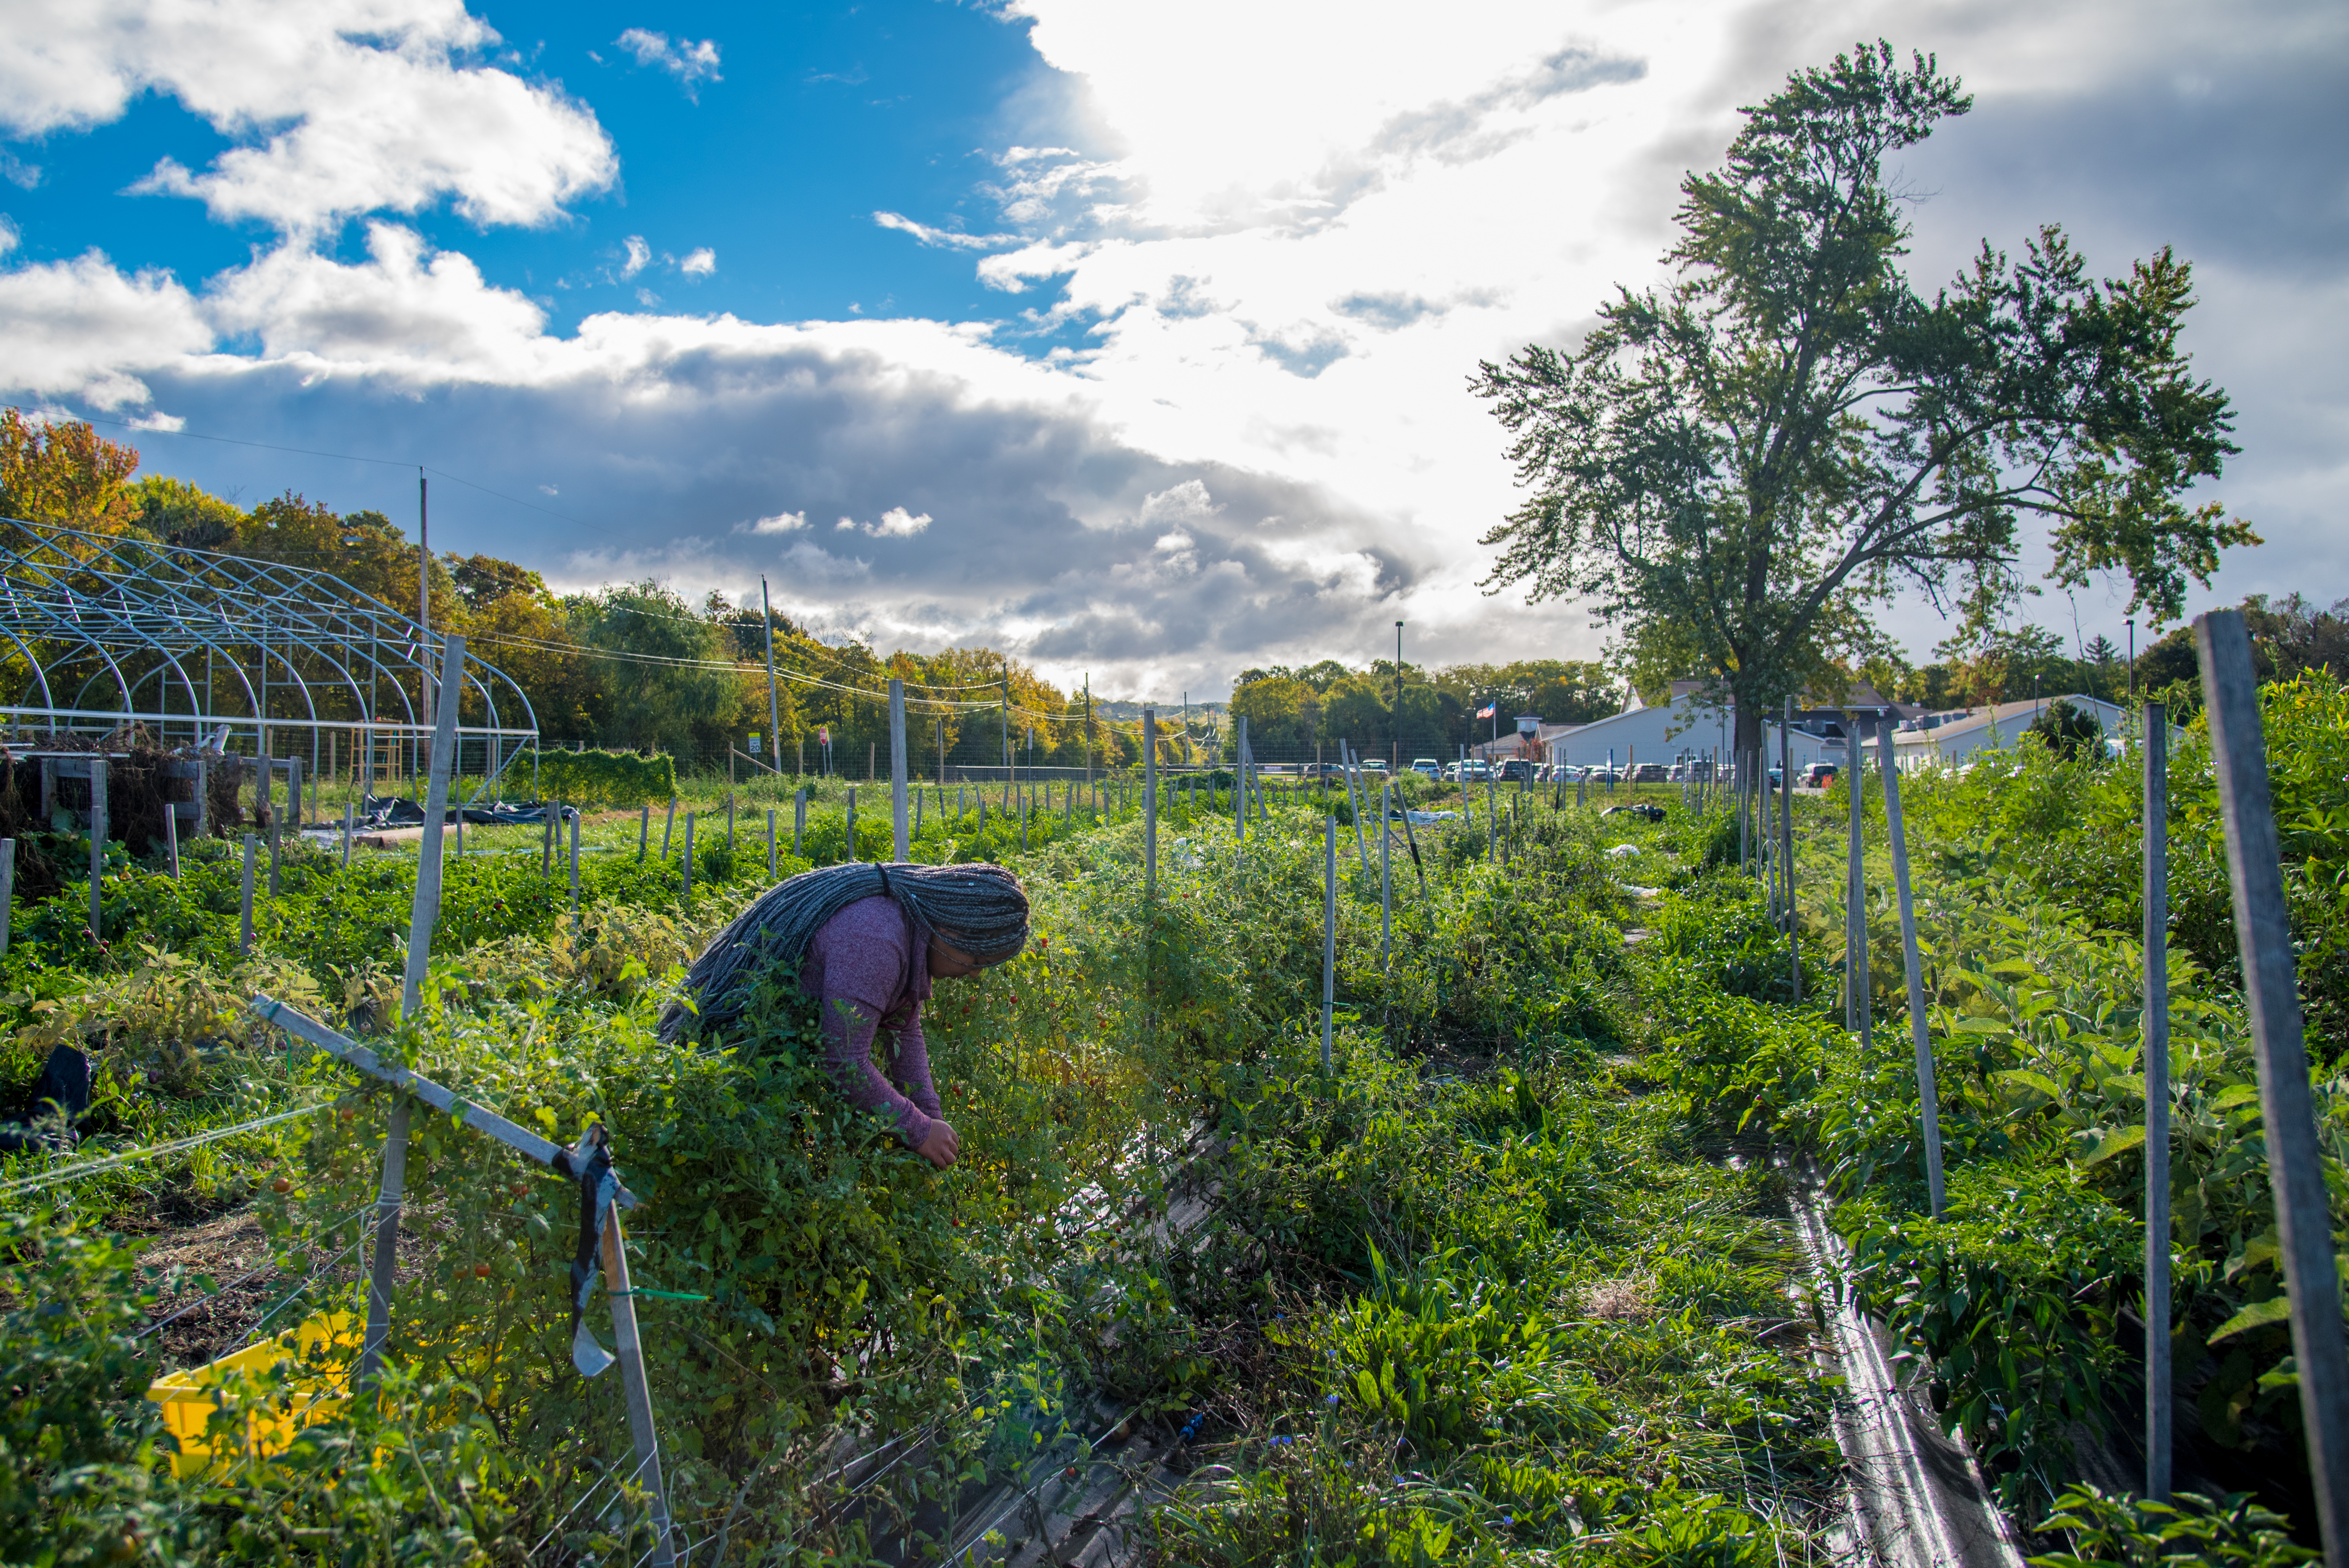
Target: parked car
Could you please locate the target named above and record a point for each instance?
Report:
(1428, 765)
(1374, 765)
(1819, 775)
(1598, 773)
(1515, 769)
(1649, 773)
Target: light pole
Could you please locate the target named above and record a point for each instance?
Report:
(1395, 762)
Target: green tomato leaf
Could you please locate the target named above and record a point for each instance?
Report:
(2259, 1315)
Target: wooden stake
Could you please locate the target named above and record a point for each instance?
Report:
(685, 899)
(798, 820)
(1929, 1098)
(1149, 805)
(574, 861)
(668, 822)
(1329, 933)
(635, 1386)
(771, 844)
(898, 824)
(171, 837)
(2271, 990)
(643, 829)
(97, 845)
(7, 889)
(2156, 1027)
(425, 913)
(244, 920)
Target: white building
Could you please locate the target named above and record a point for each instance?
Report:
(1953, 739)
(1682, 730)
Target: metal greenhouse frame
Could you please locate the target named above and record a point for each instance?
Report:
(98, 631)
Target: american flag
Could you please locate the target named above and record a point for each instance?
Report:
(1487, 710)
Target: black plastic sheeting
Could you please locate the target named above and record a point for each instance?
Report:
(60, 1098)
(378, 811)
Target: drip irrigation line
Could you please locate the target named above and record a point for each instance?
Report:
(177, 1145)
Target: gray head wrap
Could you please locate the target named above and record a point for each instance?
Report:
(977, 909)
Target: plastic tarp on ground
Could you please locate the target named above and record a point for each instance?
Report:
(378, 812)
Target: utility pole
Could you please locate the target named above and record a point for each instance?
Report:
(774, 701)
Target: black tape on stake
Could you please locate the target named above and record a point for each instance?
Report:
(588, 1162)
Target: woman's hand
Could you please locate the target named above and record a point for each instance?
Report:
(941, 1146)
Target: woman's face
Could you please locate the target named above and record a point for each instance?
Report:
(950, 963)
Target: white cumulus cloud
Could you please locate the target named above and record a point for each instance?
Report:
(336, 106)
(689, 62)
(698, 263)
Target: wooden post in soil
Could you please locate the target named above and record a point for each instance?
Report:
(1854, 908)
(1787, 849)
(1928, 1100)
(634, 1385)
(172, 838)
(1329, 933)
(771, 844)
(668, 824)
(574, 861)
(685, 897)
(350, 829)
(1239, 781)
(900, 826)
(798, 820)
(1149, 807)
(2155, 1028)
(424, 914)
(1386, 876)
(98, 846)
(245, 919)
(7, 889)
(851, 823)
(643, 829)
(2271, 993)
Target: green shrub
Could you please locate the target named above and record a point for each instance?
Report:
(613, 777)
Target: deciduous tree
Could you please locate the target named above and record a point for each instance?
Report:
(1754, 458)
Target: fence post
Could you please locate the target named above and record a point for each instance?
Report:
(388, 1197)
(851, 823)
(171, 837)
(1357, 799)
(426, 912)
(771, 844)
(1328, 932)
(1855, 913)
(1928, 1100)
(643, 1436)
(1386, 877)
(350, 829)
(547, 839)
(97, 842)
(645, 830)
(1787, 834)
(574, 858)
(2271, 990)
(1239, 781)
(668, 824)
(798, 820)
(2156, 1027)
(899, 804)
(244, 920)
(685, 899)
(7, 889)
(1149, 804)
(266, 794)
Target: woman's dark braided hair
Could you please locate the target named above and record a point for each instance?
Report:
(977, 909)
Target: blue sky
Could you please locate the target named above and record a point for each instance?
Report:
(817, 117)
(1132, 339)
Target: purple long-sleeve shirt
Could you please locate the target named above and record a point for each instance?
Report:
(868, 974)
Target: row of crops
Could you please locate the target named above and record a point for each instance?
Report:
(1513, 1280)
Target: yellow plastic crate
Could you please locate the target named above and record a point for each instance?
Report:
(320, 1389)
